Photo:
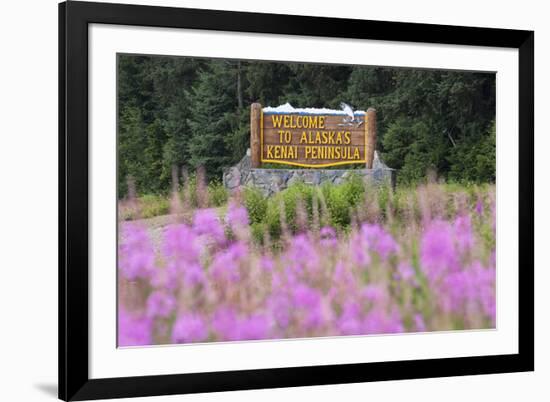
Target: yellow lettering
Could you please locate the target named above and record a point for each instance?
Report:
(269, 152)
(286, 121)
(292, 122)
(347, 134)
(288, 137)
(292, 153)
(318, 138)
(277, 120)
(303, 138)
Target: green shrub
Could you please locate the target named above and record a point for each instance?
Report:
(190, 191)
(153, 205)
(291, 197)
(255, 203)
(217, 194)
(384, 199)
(272, 217)
(354, 189)
(257, 230)
(127, 211)
(338, 205)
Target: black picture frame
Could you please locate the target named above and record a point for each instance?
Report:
(74, 381)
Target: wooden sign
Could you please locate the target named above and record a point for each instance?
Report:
(314, 138)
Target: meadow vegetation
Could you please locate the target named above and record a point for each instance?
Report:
(309, 261)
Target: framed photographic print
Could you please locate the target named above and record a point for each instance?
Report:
(258, 200)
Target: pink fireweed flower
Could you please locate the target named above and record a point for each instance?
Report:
(253, 327)
(379, 240)
(281, 308)
(308, 303)
(236, 217)
(437, 250)
(405, 273)
(193, 274)
(226, 264)
(454, 291)
(419, 324)
(181, 242)
(464, 238)
(267, 264)
(483, 292)
(302, 256)
(224, 322)
(167, 277)
(375, 294)
(207, 224)
(359, 250)
(189, 327)
(133, 329)
(343, 275)
(349, 322)
(468, 291)
(136, 256)
(378, 321)
(231, 327)
(160, 304)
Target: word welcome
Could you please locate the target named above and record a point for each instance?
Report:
(289, 121)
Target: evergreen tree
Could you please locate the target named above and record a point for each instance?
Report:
(176, 111)
(213, 116)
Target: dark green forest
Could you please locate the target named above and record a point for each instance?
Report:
(191, 112)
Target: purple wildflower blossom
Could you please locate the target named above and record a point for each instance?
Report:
(189, 327)
(136, 253)
(236, 217)
(302, 255)
(226, 264)
(464, 238)
(378, 321)
(160, 304)
(280, 307)
(308, 301)
(359, 251)
(133, 329)
(207, 224)
(437, 252)
(349, 322)
(419, 324)
(267, 264)
(405, 272)
(182, 243)
(379, 240)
